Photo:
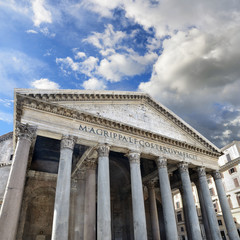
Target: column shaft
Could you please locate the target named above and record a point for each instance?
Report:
(103, 197)
(204, 213)
(62, 196)
(153, 211)
(12, 200)
(90, 201)
(167, 203)
(139, 218)
(227, 215)
(207, 200)
(80, 201)
(72, 213)
(185, 212)
(188, 195)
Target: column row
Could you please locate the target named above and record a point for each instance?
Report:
(13, 196)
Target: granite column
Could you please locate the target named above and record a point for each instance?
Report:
(153, 211)
(167, 203)
(190, 204)
(227, 215)
(12, 200)
(80, 200)
(207, 200)
(62, 196)
(203, 211)
(103, 195)
(139, 218)
(90, 200)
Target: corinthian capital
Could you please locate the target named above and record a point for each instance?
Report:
(216, 175)
(161, 162)
(68, 141)
(183, 167)
(151, 184)
(201, 171)
(90, 164)
(134, 157)
(25, 131)
(103, 150)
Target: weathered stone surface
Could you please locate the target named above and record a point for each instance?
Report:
(37, 208)
(6, 155)
(138, 115)
(125, 121)
(12, 201)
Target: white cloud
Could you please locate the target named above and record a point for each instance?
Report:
(66, 63)
(45, 31)
(86, 67)
(117, 60)
(41, 14)
(16, 68)
(80, 55)
(196, 60)
(104, 8)
(94, 84)
(32, 31)
(108, 39)
(6, 102)
(117, 66)
(6, 117)
(44, 83)
(167, 16)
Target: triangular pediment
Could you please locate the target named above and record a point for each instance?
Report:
(130, 108)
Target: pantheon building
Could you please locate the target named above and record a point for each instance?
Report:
(102, 165)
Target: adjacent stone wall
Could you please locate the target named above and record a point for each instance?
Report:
(6, 154)
(37, 208)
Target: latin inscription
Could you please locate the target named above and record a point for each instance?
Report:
(135, 141)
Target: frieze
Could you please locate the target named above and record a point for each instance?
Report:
(91, 118)
(135, 141)
(25, 131)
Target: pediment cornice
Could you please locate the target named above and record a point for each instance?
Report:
(44, 102)
(6, 136)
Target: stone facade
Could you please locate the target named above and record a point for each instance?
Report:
(6, 157)
(230, 169)
(103, 165)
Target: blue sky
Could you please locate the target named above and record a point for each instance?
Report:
(185, 54)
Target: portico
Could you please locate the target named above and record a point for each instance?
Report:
(112, 159)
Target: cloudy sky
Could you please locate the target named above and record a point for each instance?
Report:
(184, 53)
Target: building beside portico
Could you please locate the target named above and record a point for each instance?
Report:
(104, 165)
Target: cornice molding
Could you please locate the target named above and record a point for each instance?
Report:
(41, 102)
(130, 96)
(6, 136)
(5, 164)
(230, 164)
